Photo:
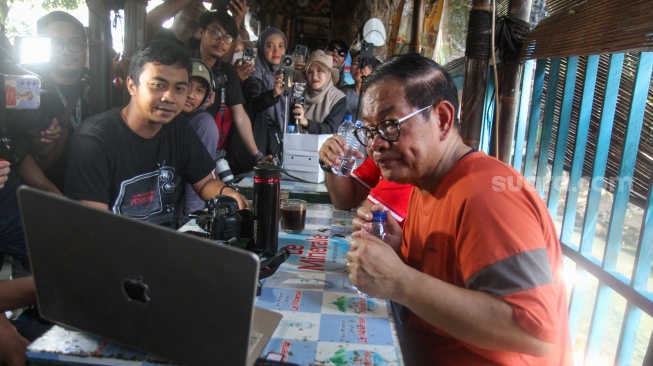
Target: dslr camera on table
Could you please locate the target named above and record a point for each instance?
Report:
(255, 230)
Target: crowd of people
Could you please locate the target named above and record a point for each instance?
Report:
(469, 285)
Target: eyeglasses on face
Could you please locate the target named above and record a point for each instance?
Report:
(387, 129)
(74, 45)
(340, 52)
(216, 34)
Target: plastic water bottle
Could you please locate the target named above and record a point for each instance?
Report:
(378, 224)
(346, 130)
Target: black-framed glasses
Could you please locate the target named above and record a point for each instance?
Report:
(216, 34)
(74, 45)
(387, 129)
(340, 52)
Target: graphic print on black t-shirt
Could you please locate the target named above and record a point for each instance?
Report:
(148, 194)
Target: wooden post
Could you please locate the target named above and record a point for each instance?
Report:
(135, 18)
(417, 26)
(509, 90)
(99, 47)
(394, 30)
(474, 88)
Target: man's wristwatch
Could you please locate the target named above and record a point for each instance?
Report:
(258, 155)
(324, 167)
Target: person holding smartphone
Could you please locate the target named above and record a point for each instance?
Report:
(263, 93)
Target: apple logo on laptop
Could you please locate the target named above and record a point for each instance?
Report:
(136, 290)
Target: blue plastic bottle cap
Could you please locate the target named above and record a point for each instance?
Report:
(291, 128)
(378, 216)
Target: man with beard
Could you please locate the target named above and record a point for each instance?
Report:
(134, 161)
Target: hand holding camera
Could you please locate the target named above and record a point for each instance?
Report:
(278, 83)
(298, 113)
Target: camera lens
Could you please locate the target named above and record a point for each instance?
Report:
(224, 171)
(287, 61)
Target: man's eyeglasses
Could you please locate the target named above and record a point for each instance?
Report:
(340, 52)
(216, 34)
(74, 45)
(387, 129)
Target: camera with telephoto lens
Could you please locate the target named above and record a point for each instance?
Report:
(222, 167)
(223, 221)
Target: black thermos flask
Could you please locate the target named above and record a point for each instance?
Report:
(266, 209)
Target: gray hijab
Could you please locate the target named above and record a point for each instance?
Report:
(266, 72)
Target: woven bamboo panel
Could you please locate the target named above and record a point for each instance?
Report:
(593, 27)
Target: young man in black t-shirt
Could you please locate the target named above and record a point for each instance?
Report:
(218, 31)
(134, 161)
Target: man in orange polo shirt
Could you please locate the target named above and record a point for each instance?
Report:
(478, 265)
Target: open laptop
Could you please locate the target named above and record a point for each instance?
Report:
(147, 287)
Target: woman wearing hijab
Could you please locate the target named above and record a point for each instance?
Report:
(325, 105)
(262, 91)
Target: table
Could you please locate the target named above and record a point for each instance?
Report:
(326, 321)
(310, 192)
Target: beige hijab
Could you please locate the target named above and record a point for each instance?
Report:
(320, 102)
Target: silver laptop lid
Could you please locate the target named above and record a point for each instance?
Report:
(145, 286)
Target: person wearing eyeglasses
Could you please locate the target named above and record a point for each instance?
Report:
(185, 29)
(353, 91)
(477, 266)
(135, 160)
(64, 78)
(337, 49)
(218, 32)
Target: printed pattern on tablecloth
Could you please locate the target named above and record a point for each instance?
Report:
(286, 299)
(353, 304)
(355, 329)
(297, 280)
(333, 353)
(346, 327)
(80, 348)
(302, 327)
(317, 253)
(339, 282)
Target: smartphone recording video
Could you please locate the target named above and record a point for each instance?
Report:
(249, 55)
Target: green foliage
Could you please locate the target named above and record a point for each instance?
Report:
(58, 4)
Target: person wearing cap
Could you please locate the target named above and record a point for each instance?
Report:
(337, 49)
(325, 105)
(200, 92)
(135, 160)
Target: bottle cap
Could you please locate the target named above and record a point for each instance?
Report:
(291, 128)
(267, 171)
(348, 117)
(378, 216)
